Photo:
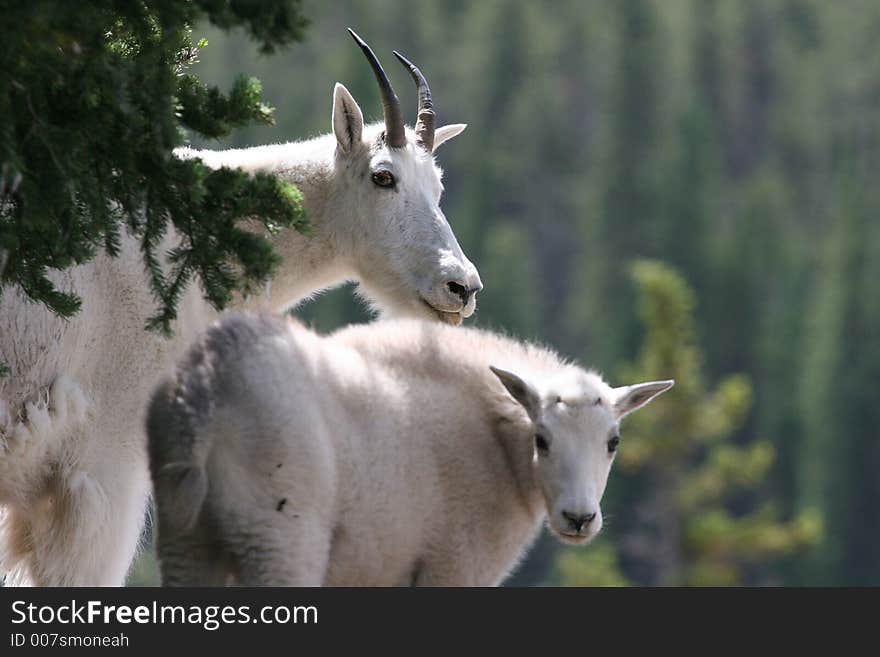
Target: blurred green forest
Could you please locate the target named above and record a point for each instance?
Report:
(738, 143)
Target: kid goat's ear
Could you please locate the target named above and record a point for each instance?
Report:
(348, 120)
(629, 398)
(521, 391)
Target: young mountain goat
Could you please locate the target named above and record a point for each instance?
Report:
(73, 473)
(399, 453)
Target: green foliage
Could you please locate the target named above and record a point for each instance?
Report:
(144, 570)
(509, 262)
(839, 447)
(596, 566)
(93, 98)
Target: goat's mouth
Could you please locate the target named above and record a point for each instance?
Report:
(453, 318)
(572, 538)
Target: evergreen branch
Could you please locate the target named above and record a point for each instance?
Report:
(95, 98)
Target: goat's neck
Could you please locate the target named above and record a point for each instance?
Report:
(528, 502)
(313, 262)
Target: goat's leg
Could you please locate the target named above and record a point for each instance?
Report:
(443, 571)
(294, 554)
(84, 529)
(192, 561)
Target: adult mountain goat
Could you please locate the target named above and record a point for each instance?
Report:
(73, 471)
(397, 453)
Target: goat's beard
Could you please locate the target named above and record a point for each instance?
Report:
(447, 318)
(454, 318)
(416, 307)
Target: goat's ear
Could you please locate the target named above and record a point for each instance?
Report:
(629, 398)
(447, 132)
(521, 391)
(348, 120)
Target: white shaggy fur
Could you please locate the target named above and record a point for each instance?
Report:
(387, 454)
(73, 472)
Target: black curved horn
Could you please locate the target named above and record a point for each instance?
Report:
(426, 117)
(395, 135)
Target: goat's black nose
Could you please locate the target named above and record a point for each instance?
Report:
(462, 291)
(577, 521)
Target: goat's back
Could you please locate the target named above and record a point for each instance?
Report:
(228, 425)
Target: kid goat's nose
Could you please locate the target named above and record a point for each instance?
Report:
(577, 521)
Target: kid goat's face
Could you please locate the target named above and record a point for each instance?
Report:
(576, 427)
(575, 445)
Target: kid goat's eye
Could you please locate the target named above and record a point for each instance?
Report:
(541, 443)
(613, 442)
(383, 178)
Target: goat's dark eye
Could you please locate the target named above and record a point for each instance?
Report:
(541, 443)
(383, 178)
(613, 442)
